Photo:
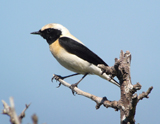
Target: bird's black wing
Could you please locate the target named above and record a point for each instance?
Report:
(80, 50)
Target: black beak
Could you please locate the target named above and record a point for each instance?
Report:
(36, 32)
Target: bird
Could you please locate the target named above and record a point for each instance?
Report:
(71, 53)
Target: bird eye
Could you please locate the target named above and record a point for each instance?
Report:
(49, 30)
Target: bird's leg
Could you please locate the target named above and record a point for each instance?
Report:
(57, 77)
(76, 84)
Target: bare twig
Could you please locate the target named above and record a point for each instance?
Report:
(10, 111)
(35, 119)
(22, 115)
(107, 69)
(99, 101)
(6, 109)
(136, 87)
(145, 94)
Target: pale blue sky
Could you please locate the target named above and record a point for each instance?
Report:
(106, 27)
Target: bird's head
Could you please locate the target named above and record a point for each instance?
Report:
(51, 32)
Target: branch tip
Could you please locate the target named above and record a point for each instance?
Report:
(145, 94)
(34, 119)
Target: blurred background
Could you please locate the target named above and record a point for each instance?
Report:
(105, 27)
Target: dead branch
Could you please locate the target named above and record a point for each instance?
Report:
(10, 111)
(145, 94)
(99, 101)
(129, 99)
(22, 115)
(35, 119)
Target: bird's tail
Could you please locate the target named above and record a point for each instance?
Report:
(107, 77)
(96, 70)
(115, 82)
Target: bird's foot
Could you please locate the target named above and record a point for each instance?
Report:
(57, 77)
(72, 87)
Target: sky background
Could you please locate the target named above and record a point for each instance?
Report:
(105, 27)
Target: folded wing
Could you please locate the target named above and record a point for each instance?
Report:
(80, 50)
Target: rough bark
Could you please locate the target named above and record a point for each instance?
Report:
(129, 99)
